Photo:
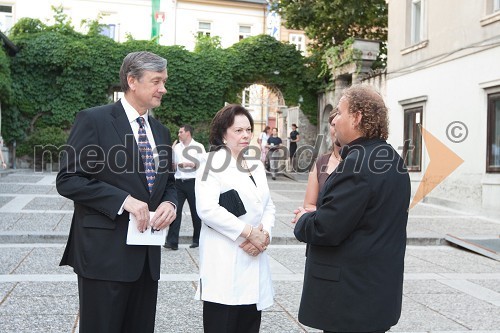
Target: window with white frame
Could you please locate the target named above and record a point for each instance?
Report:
(109, 30)
(493, 142)
(108, 26)
(412, 149)
(6, 18)
(244, 31)
(413, 110)
(245, 97)
(299, 41)
(204, 28)
(496, 5)
(417, 21)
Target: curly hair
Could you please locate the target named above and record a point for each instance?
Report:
(365, 99)
(224, 119)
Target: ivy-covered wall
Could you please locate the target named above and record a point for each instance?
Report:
(58, 72)
(5, 77)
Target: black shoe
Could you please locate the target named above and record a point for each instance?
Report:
(171, 246)
(194, 245)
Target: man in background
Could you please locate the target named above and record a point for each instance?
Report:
(186, 160)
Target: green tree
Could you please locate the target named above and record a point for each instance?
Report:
(330, 22)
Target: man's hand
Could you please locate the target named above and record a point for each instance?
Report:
(140, 210)
(165, 214)
(186, 165)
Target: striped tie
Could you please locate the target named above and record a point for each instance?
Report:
(146, 154)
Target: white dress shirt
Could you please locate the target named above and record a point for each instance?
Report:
(180, 153)
(132, 116)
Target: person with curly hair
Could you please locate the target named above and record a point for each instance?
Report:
(356, 236)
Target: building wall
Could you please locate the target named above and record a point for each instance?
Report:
(181, 25)
(134, 17)
(286, 38)
(452, 71)
(451, 30)
(130, 16)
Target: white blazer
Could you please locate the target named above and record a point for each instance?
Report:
(228, 275)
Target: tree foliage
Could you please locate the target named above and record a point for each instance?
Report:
(5, 78)
(330, 22)
(58, 72)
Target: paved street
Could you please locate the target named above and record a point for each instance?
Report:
(446, 288)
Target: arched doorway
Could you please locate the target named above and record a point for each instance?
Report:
(265, 105)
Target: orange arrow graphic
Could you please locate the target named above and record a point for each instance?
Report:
(442, 163)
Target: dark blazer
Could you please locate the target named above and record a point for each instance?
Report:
(102, 167)
(353, 277)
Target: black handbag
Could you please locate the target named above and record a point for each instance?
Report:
(232, 202)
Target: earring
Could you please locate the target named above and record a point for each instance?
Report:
(224, 141)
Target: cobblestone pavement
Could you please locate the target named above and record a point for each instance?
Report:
(446, 288)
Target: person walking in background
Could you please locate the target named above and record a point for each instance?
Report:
(262, 141)
(274, 144)
(186, 161)
(294, 138)
(235, 278)
(118, 164)
(353, 279)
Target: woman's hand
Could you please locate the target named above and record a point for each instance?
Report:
(257, 241)
(249, 248)
(301, 211)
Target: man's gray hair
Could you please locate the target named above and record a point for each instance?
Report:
(136, 63)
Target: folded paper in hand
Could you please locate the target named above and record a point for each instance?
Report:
(148, 237)
(232, 202)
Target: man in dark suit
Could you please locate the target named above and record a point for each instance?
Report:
(116, 165)
(353, 280)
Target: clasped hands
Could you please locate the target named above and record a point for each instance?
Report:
(256, 242)
(165, 214)
(301, 211)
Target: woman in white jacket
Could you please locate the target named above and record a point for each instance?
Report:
(235, 279)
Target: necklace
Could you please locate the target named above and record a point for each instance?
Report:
(244, 165)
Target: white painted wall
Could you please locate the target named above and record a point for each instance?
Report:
(454, 94)
(181, 25)
(134, 17)
(130, 16)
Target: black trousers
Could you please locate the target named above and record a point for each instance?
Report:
(221, 318)
(293, 149)
(118, 307)
(185, 190)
